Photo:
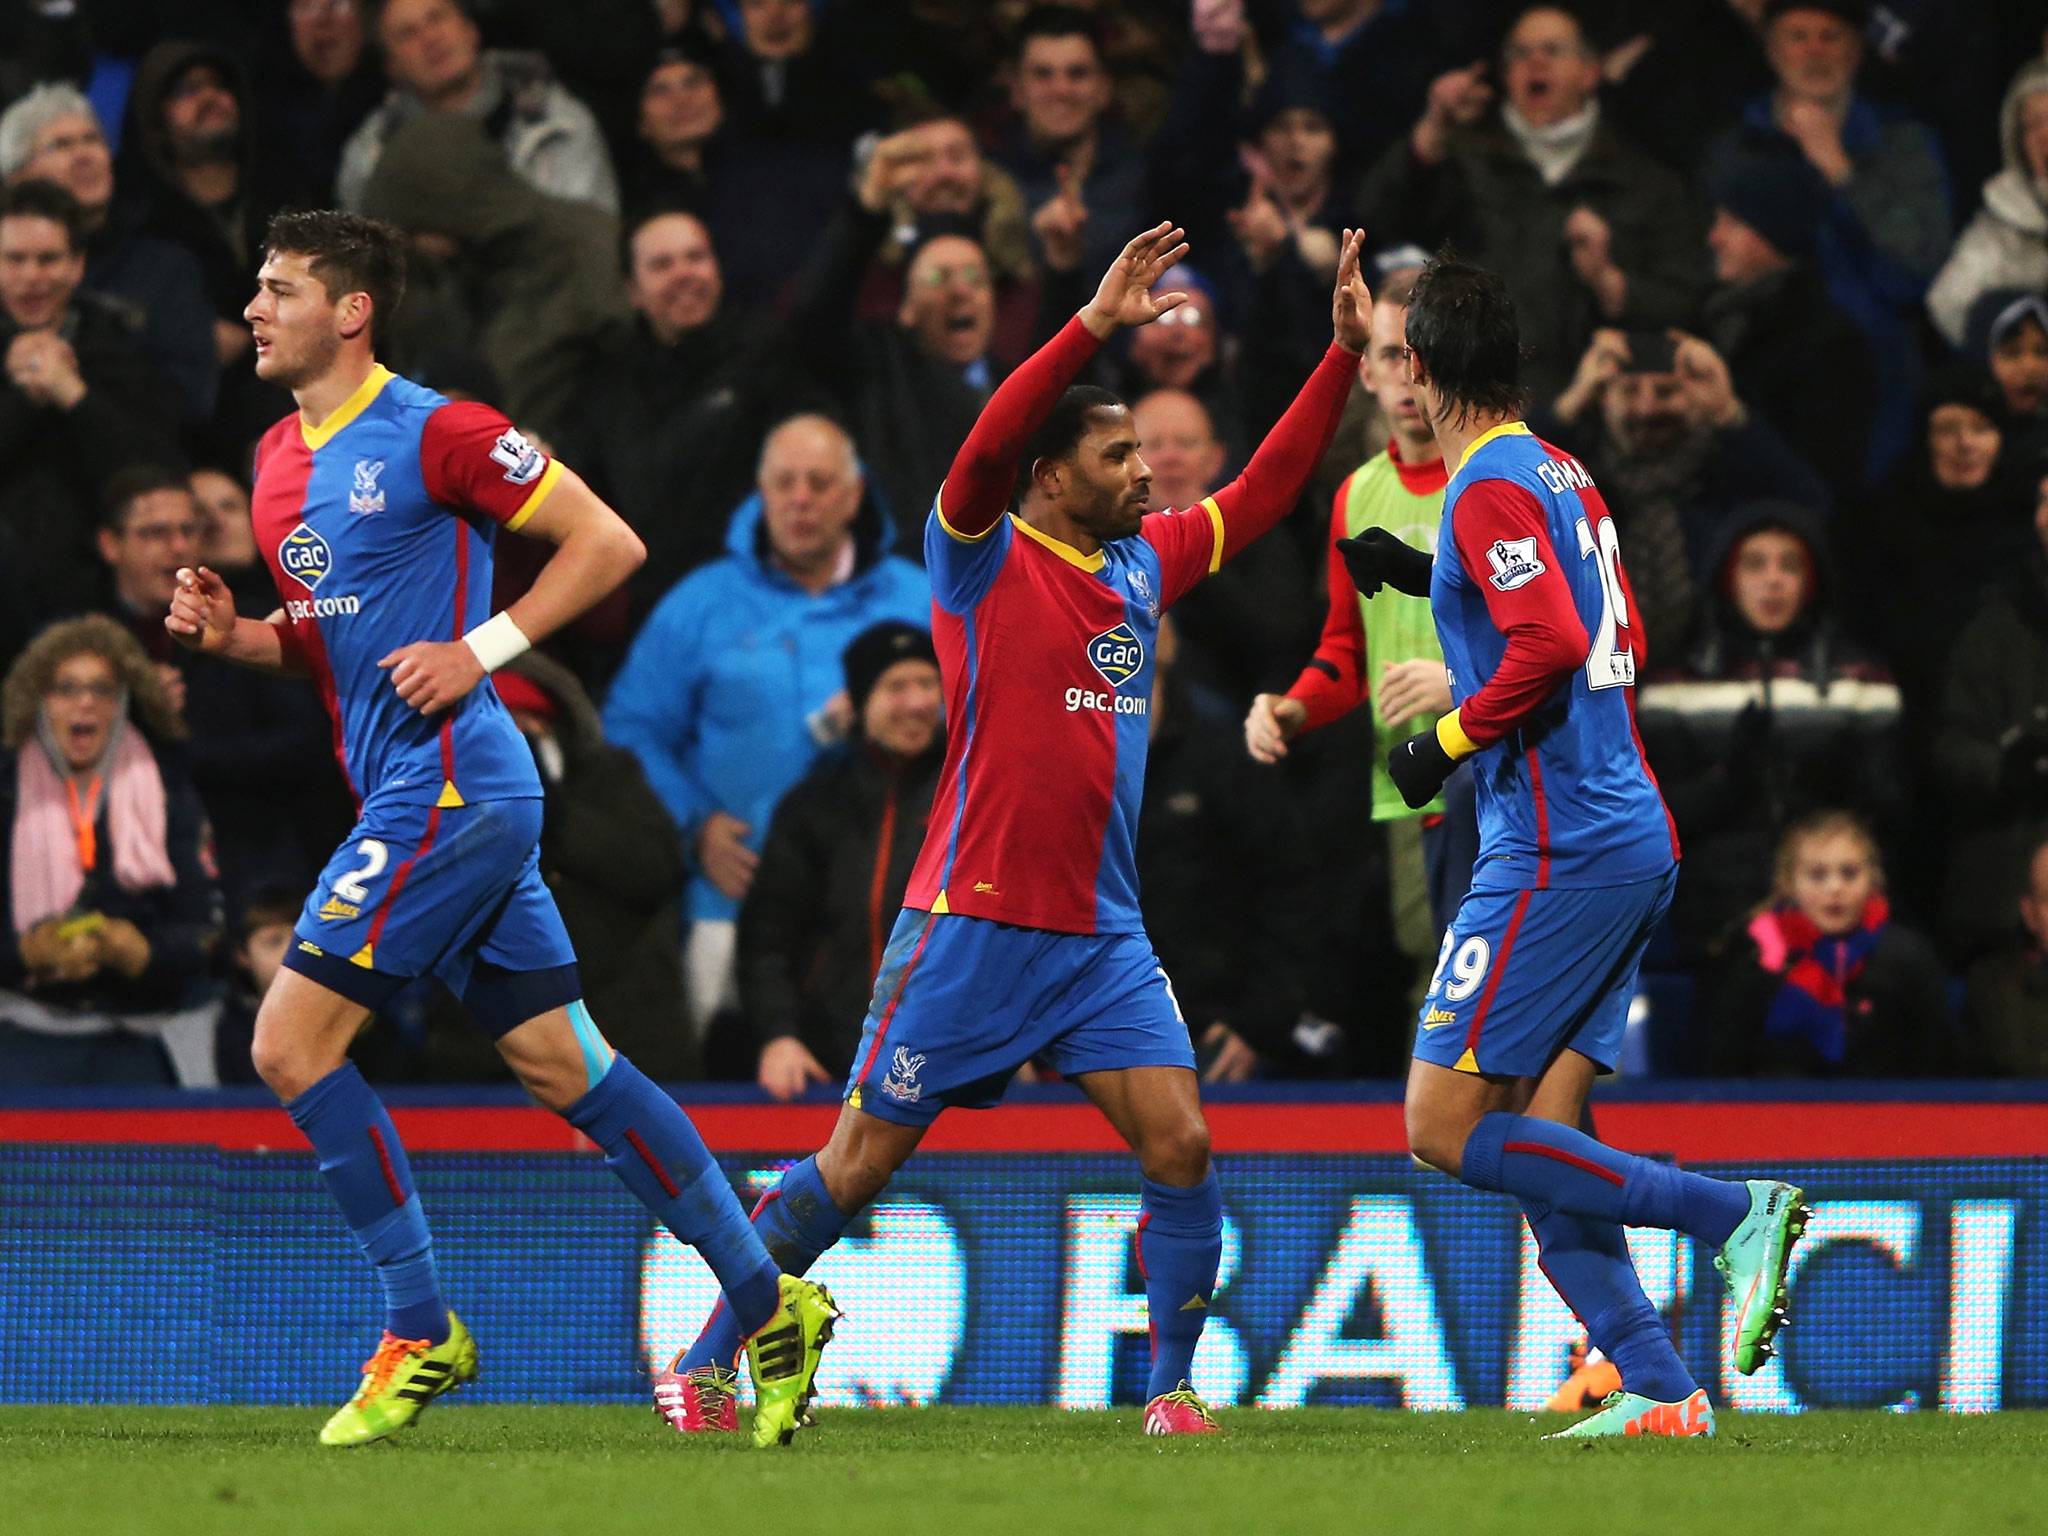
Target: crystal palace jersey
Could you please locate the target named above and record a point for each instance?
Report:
(1047, 656)
(1528, 553)
(377, 526)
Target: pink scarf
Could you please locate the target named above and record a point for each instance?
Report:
(46, 869)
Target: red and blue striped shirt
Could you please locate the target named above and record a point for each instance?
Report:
(377, 526)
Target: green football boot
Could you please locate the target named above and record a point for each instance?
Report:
(399, 1380)
(1630, 1413)
(783, 1357)
(1754, 1262)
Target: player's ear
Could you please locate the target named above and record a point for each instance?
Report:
(356, 310)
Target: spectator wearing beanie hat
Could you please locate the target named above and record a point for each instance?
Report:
(2007, 332)
(834, 867)
(1956, 512)
(1796, 359)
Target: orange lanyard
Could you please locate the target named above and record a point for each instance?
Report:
(84, 819)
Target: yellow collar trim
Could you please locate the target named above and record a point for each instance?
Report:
(1060, 547)
(348, 410)
(1505, 429)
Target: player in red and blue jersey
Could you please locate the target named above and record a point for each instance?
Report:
(1021, 937)
(376, 504)
(1577, 863)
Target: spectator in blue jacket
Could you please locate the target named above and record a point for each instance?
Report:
(733, 686)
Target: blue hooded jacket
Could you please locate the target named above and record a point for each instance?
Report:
(715, 696)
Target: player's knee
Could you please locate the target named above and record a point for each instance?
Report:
(286, 1066)
(1430, 1143)
(1178, 1153)
(556, 1079)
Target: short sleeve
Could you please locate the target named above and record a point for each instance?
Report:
(473, 459)
(962, 569)
(1190, 546)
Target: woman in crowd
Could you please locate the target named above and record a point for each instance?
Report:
(110, 892)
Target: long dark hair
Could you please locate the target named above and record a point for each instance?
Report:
(1461, 323)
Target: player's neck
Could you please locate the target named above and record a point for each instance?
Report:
(1417, 451)
(1457, 435)
(328, 393)
(1055, 524)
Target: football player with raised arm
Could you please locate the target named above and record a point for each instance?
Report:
(1020, 936)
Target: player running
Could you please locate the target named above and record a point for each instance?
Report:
(375, 506)
(1578, 859)
(1020, 935)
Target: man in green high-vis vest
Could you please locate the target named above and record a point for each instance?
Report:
(1384, 652)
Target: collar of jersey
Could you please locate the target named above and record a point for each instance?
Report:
(1505, 429)
(1064, 550)
(348, 410)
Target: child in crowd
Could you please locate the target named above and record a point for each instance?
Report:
(1827, 984)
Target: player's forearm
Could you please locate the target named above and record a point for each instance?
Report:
(267, 646)
(1272, 482)
(586, 567)
(977, 487)
(1333, 683)
(1539, 658)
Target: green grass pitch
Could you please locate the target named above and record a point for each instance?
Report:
(988, 1472)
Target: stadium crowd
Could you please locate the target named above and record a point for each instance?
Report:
(754, 266)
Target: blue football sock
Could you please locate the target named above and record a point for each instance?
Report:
(654, 1149)
(1588, 1261)
(1542, 1163)
(365, 1167)
(797, 1221)
(1180, 1245)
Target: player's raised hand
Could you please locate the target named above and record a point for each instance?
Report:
(1351, 304)
(433, 675)
(202, 616)
(1125, 296)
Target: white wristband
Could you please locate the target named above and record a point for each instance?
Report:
(496, 641)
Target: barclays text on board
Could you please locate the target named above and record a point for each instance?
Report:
(996, 1279)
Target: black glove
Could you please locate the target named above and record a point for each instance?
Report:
(1375, 558)
(1419, 767)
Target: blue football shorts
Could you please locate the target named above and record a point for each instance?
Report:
(420, 890)
(961, 1003)
(1523, 975)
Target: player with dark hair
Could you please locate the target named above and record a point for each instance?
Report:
(1020, 935)
(375, 505)
(1578, 858)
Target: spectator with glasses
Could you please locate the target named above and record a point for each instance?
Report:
(109, 902)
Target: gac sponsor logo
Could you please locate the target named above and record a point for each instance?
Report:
(1117, 654)
(1079, 699)
(305, 557)
(1437, 1018)
(322, 607)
